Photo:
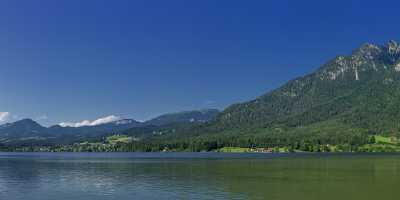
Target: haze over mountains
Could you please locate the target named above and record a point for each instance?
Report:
(27, 130)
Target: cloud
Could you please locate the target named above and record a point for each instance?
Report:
(4, 116)
(103, 120)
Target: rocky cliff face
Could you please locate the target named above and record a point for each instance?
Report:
(355, 88)
(367, 58)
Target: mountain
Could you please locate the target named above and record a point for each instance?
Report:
(358, 91)
(23, 129)
(344, 102)
(169, 123)
(196, 116)
(27, 131)
(342, 106)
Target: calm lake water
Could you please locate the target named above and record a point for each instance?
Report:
(41, 176)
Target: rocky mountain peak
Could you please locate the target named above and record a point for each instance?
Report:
(367, 51)
(367, 58)
(393, 47)
(356, 83)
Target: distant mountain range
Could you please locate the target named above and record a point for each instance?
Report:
(27, 131)
(197, 116)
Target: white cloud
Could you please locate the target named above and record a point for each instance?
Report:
(103, 120)
(4, 116)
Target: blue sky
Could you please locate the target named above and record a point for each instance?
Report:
(67, 61)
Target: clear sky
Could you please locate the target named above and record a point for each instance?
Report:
(71, 60)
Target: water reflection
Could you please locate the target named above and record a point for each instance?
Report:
(310, 177)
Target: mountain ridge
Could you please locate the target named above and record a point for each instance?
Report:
(195, 116)
(29, 129)
(336, 78)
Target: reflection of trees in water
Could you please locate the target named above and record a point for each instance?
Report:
(24, 174)
(285, 178)
(114, 177)
(347, 177)
(20, 170)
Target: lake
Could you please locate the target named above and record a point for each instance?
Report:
(98, 176)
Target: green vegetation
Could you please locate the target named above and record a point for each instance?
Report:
(386, 140)
(269, 143)
(234, 150)
(115, 139)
